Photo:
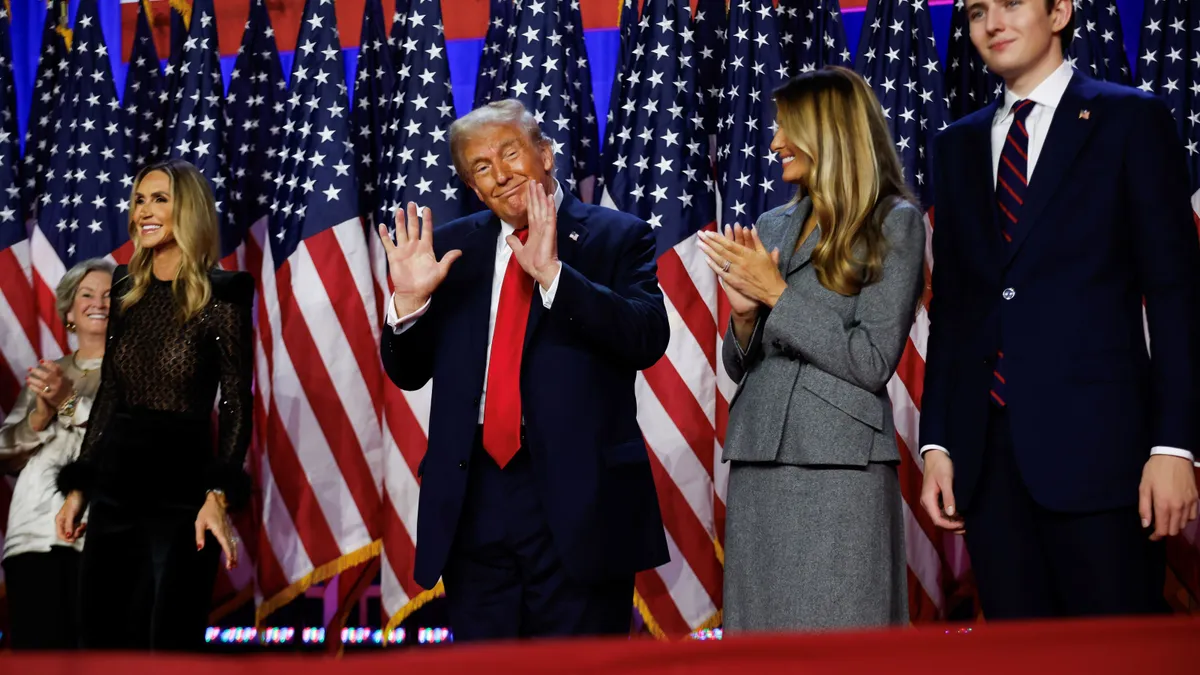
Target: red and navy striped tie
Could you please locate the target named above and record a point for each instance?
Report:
(1012, 180)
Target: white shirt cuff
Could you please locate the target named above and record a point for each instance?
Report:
(1174, 452)
(927, 448)
(401, 324)
(548, 293)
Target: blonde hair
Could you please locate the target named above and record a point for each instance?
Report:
(854, 176)
(194, 214)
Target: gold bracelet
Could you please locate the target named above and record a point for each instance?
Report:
(67, 408)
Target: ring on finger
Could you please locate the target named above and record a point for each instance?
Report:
(46, 389)
(725, 267)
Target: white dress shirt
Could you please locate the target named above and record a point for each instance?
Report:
(1046, 97)
(503, 253)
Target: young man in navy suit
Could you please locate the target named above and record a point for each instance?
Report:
(1049, 433)
(537, 502)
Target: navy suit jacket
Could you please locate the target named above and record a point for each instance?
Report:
(1106, 223)
(581, 357)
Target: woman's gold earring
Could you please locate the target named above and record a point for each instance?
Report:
(70, 327)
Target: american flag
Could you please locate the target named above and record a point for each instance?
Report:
(17, 313)
(812, 35)
(496, 59)
(618, 99)
(898, 58)
(586, 127)
(374, 86)
(196, 131)
(1098, 43)
(711, 24)
(142, 104)
(319, 374)
(663, 175)
(254, 118)
(749, 172)
(254, 115)
(47, 96)
(549, 74)
(1169, 65)
(968, 83)
(180, 12)
(18, 343)
(419, 169)
(83, 207)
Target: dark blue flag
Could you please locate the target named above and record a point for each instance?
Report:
(254, 118)
(898, 58)
(144, 123)
(749, 173)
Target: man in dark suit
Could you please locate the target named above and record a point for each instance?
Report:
(1048, 432)
(537, 501)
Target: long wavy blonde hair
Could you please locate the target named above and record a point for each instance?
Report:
(194, 213)
(854, 176)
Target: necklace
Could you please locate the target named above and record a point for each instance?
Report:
(75, 362)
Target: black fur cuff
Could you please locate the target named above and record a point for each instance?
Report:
(78, 475)
(231, 480)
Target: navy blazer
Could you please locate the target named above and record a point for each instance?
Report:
(1106, 223)
(581, 358)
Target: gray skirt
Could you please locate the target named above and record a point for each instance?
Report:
(810, 548)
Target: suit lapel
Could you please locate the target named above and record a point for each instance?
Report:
(477, 266)
(980, 182)
(1069, 131)
(790, 259)
(572, 233)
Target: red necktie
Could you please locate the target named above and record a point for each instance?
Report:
(502, 406)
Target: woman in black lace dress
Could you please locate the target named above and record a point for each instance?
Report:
(156, 480)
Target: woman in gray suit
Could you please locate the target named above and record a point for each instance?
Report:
(823, 292)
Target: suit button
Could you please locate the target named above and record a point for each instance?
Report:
(475, 401)
(777, 344)
(462, 465)
(1008, 294)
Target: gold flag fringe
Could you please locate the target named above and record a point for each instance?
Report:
(322, 573)
(423, 598)
(657, 631)
(185, 10)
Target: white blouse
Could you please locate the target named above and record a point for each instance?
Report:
(36, 500)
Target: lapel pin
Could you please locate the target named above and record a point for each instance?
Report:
(574, 236)
(1085, 114)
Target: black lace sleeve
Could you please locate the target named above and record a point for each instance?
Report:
(81, 473)
(232, 333)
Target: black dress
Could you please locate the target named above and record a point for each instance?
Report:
(149, 457)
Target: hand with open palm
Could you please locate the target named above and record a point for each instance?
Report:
(412, 264)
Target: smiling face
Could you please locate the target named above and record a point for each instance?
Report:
(796, 164)
(89, 311)
(500, 159)
(153, 211)
(1019, 40)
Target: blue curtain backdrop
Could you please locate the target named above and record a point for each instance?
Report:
(463, 55)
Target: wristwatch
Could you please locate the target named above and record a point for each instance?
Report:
(67, 408)
(220, 494)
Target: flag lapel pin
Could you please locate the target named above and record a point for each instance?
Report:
(1085, 114)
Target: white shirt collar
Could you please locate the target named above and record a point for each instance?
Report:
(1049, 93)
(506, 229)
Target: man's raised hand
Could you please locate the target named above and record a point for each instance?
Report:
(414, 268)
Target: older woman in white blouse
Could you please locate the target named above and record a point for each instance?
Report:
(43, 432)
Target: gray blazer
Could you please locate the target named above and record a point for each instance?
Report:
(812, 383)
